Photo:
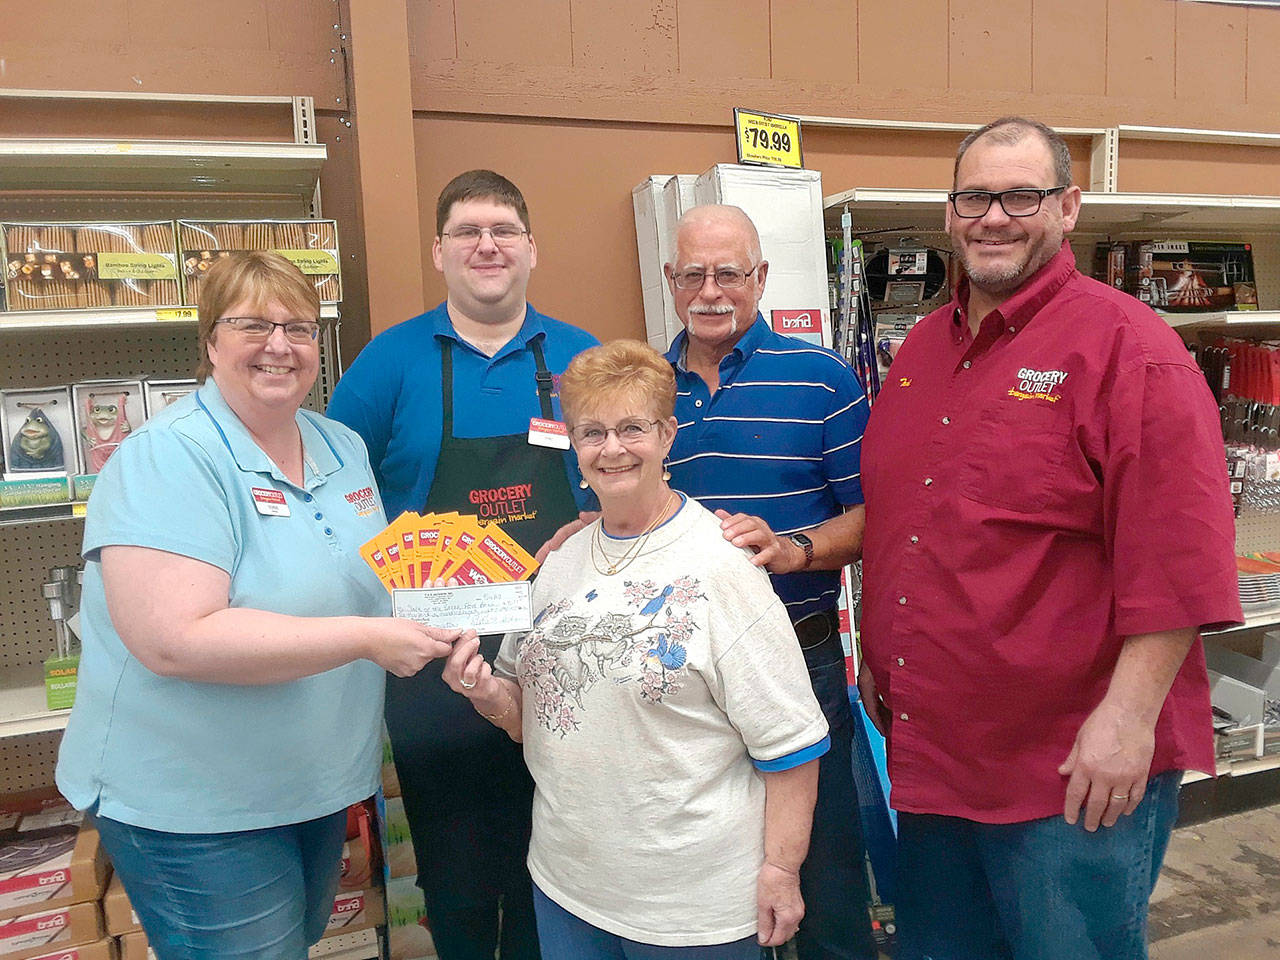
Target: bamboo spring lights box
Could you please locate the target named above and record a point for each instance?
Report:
(311, 245)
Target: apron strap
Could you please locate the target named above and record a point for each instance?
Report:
(544, 380)
(446, 387)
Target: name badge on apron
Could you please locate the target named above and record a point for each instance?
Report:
(548, 433)
(270, 503)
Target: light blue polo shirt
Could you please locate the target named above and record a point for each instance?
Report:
(174, 755)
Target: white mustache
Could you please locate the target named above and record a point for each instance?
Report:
(713, 309)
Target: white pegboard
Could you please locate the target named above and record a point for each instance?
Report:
(27, 763)
(1257, 531)
(64, 356)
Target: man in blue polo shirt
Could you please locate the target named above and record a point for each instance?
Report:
(769, 434)
(448, 404)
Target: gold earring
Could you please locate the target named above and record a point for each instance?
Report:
(666, 474)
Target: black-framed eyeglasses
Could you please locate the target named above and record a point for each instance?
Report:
(726, 277)
(1022, 202)
(628, 431)
(258, 329)
(468, 234)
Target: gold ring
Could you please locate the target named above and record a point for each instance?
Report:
(1116, 796)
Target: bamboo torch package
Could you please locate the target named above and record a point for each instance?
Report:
(312, 245)
(79, 266)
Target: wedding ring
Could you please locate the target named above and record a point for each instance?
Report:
(1116, 796)
(467, 686)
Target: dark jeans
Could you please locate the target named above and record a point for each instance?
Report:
(1037, 890)
(472, 933)
(257, 894)
(833, 879)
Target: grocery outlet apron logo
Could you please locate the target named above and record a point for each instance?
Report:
(503, 503)
(1038, 385)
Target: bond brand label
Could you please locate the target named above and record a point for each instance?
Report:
(270, 503)
(797, 321)
(1038, 385)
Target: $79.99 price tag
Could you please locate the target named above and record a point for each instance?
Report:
(768, 139)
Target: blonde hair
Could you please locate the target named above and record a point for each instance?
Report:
(618, 370)
(258, 276)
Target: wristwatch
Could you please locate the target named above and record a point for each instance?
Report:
(805, 544)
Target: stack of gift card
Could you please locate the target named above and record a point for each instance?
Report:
(418, 550)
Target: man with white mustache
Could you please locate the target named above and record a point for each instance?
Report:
(1049, 527)
(769, 435)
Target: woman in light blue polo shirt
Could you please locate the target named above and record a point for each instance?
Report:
(231, 683)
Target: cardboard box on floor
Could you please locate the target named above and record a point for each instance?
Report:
(50, 855)
(104, 949)
(117, 910)
(37, 934)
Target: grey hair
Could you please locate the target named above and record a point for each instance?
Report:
(1011, 130)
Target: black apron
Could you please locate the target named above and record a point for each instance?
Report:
(466, 790)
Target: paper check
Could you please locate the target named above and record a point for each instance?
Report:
(484, 607)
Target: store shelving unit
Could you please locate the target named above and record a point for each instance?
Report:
(122, 179)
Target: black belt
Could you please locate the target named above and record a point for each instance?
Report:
(817, 631)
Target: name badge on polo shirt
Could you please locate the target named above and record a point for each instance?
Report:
(270, 503)
(548, 433)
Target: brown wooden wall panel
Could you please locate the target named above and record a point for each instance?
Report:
(528, 32)
(1262, 82)
(433, 30)
(580, 219)
(724, 38)
(238, 25)
(1210, 62)
(1076, 65)
(145, 120)
(625, 38)
(914, 32)
(1140, 49)
(1150, 166)
(812, 40)
(990, 45)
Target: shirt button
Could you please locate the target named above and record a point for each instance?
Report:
(915, 539)
(966, 364)
(928, 481)
(328, 531)
(319, 516)
(902, 601)
(901, 662)
(307, 497)
(946, 420)
(1013, 329)
(697, 403)
(903, 716)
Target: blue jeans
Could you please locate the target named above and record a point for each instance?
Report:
(565, 937)
(262, 894)
(833, 878)
(1038, 890)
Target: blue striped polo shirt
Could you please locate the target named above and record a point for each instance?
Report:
(779, 439)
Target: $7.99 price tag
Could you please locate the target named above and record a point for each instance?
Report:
(768, 139)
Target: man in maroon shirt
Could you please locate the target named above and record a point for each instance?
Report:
(1048, 528)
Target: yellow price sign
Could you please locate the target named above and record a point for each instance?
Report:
(768, 139)
(178, 314)
(79, 509)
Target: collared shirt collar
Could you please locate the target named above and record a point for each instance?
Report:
(319, 456)
(531, 328)
(1017, 311)
(754, 338)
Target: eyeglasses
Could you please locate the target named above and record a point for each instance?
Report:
(256, 329)
(1022, 202)
(726, 277)
(468, 234)
(628, 431)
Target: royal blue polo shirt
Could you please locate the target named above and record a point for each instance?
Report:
(391, 394)
(188, 757)
(779, 439)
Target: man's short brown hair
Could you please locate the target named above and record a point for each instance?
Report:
(480, 185)
(1011, 130)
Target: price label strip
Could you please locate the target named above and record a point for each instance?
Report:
(768, 139)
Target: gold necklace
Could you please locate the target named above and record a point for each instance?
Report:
(633, 552)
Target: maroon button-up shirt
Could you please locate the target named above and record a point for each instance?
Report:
(1034, 495)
